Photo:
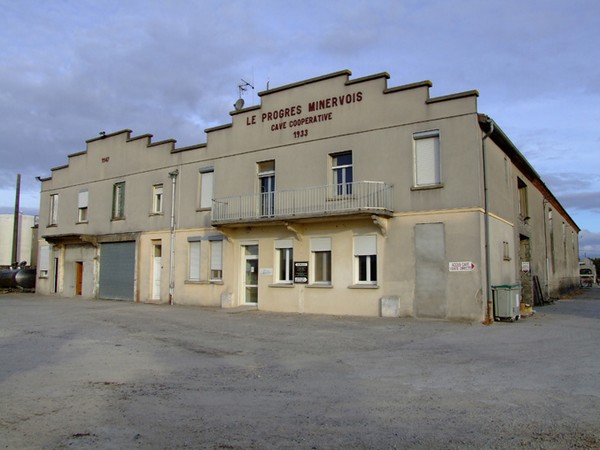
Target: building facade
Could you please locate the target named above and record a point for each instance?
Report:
(333, 196)
(26, 240)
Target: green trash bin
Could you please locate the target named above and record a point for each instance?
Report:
(507, 301)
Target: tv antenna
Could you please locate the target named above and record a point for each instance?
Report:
(243, 87)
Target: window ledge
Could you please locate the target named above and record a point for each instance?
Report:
(83, 222)
(203, 282)
(196, 282)
(156, 214)
(427, 188)
(114, 219)
(282, 285)
(363, 286)
(203, 209)
(320, 286)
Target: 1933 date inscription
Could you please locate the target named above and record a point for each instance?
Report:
(300, 134)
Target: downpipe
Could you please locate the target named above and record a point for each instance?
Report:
(489, 319)
(173, 176)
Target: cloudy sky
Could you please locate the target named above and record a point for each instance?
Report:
(72, 68)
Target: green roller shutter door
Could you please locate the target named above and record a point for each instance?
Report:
(117, 270)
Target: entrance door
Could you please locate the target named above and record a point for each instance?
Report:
(251, 274)
(56, 275)
(156, 270)
(79, 279)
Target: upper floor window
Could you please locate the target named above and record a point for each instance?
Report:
(365, 259)
(157, 199)
(82, 206)
(53, 216)
(205, 186)
(523, 203)
(427, 158)
(118, 201)
(341, 165)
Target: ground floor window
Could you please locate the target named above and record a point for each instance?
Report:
(321, 260)
(205, 258)
(216, 260)
(365, 259)
(285, 260)
(194, 257)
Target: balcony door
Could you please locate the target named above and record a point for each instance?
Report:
(266, 180)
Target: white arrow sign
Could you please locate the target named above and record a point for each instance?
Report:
(461, 266)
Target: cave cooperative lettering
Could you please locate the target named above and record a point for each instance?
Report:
(292, 117)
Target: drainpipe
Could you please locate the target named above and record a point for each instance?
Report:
(173, 176)
(547, 281)
(490, 307)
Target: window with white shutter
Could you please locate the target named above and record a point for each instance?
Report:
(365, 259)
(321, 260)
(82, 206)
(216, 260)
(194, 261)
(427, 158)
(205, 185)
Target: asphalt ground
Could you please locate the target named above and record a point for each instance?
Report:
(85, 374)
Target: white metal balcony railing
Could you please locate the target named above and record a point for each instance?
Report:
(361, 196)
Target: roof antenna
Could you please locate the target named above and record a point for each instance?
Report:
(239, 104)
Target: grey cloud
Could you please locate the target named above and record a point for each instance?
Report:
(584, 201)
(569, 181)
(589, 244)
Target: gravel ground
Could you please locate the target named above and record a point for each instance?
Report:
(90, 374)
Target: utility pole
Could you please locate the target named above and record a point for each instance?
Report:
(15, 246)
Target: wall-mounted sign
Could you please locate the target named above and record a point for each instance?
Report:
(525, 266)
(301, 272)
(461, 266)
(266, 271)
(297, 119)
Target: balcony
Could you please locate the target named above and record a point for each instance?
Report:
(361, 197)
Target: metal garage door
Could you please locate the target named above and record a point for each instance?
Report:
(117, 269)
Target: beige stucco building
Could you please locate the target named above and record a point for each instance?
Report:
(25, 239)
(333, 196)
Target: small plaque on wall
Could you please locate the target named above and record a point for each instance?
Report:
(301, 272)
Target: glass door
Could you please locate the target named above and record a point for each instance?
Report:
(251, 274)
(266, 178)
(156, 271)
